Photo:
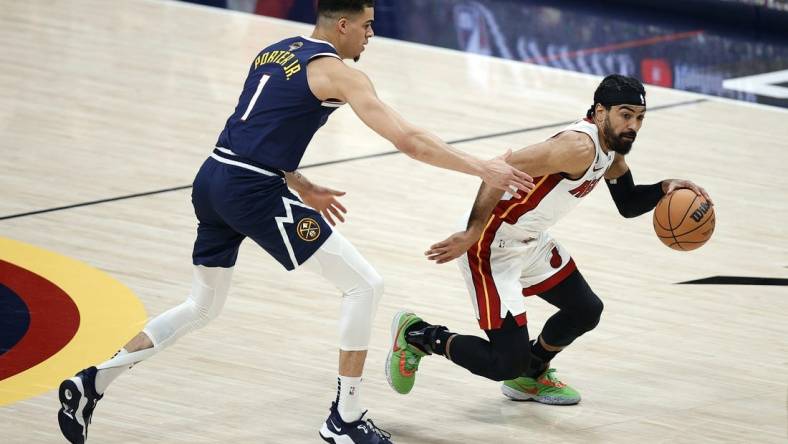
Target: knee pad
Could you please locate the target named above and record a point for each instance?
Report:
(359, 307)
(210, 286)
(375, 282)
(339, 262)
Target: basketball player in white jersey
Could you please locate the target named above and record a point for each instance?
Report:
(243, 190)
(506, 253)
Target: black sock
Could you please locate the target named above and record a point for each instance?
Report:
(429, 339)
(416, 326)
(442, 339)
(540, 359)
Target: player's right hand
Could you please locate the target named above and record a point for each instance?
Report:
(499, 174)
(324, 200)
(452, 247)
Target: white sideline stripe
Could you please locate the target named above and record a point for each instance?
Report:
(766, 84)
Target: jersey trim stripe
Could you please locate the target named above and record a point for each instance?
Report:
(225, 151)
(324, 54)
(318, 41)
(243, 165)
(552, 281)
(515, 210)
(487, 296)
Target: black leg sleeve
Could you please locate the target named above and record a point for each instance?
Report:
(504, 356)
(579, 310)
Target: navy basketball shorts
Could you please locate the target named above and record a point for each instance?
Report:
(233, 202)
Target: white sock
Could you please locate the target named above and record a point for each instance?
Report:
(107, 371)
(349, 398)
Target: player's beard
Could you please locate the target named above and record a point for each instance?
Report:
(617, 142)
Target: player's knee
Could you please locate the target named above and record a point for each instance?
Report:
(204, 309)
(589, 314)
(369, 287)
(203, 315)
(209, 292)
(375, 282)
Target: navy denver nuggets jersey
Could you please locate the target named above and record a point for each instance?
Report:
(277, 114)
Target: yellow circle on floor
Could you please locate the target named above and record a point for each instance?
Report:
(109, 314)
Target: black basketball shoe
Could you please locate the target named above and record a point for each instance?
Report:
(78, 398)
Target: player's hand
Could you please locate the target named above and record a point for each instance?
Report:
(452, 247)
(670, 185)
(324, 200)
(499, 174)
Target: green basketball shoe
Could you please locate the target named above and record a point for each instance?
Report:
(547, 389)
(403, 361)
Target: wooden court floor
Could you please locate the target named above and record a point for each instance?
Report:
(105, 99)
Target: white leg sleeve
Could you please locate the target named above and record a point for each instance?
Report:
(209, 292)
(362, 287)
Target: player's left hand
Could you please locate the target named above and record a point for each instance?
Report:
(670, 185)
(499, 174)
(452, 247)
(324, 200)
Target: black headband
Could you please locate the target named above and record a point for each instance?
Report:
(615, 97)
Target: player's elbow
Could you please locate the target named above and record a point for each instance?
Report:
(626, 212)
(629, 210)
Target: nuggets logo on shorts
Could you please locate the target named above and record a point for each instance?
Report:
(308, 229)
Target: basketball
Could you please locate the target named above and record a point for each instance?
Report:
(684, 220)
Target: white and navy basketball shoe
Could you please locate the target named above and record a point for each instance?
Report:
(337, 431)
(78, 398)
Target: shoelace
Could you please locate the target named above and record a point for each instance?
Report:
(550, 376)
(378, 431)
(411, 361)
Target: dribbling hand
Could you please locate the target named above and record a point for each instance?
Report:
(670, 185)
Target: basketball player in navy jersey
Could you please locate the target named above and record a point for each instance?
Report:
(243, 190)
(506, 253)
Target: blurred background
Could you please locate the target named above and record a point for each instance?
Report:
(729, 48)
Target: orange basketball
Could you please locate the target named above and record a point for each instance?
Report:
(683, 220)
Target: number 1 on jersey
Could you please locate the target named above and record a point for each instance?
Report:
(263, 81)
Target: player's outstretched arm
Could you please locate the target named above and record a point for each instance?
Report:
(569, 152)
(355, 88)
(322, 199)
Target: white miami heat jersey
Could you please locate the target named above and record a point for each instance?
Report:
(554, 195)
